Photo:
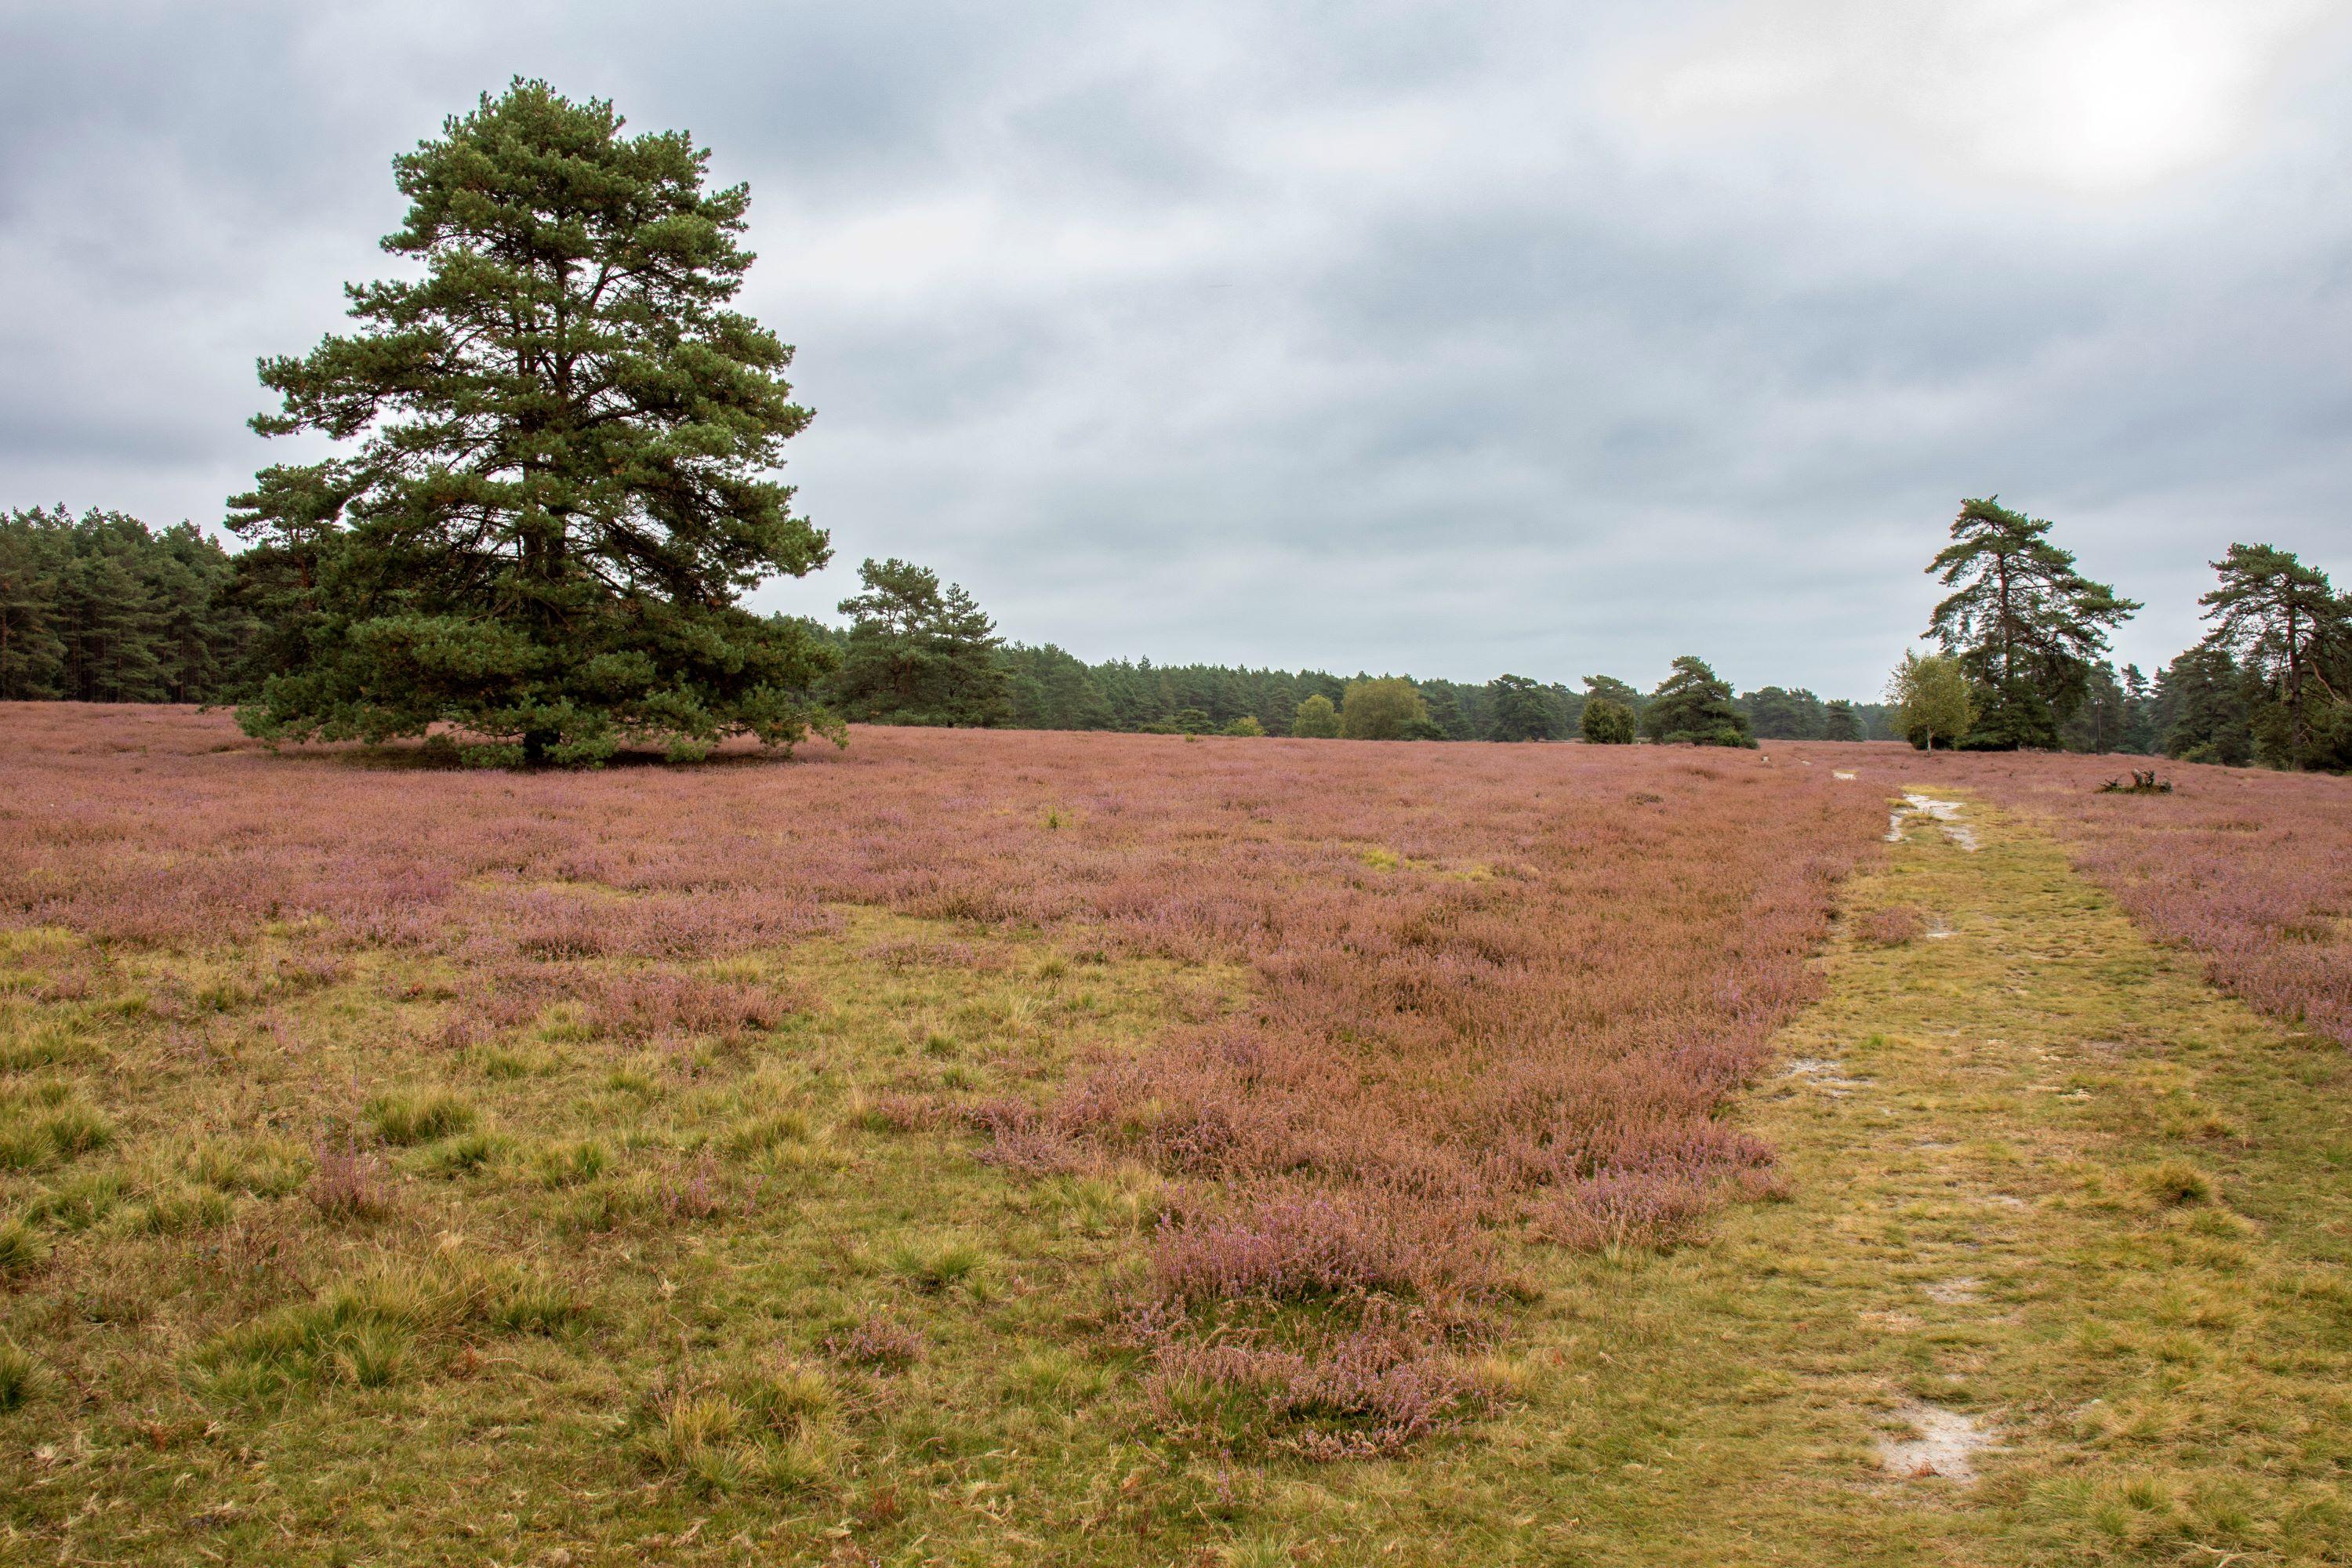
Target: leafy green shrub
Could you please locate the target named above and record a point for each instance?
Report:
(1317, 719)
(1608, 723)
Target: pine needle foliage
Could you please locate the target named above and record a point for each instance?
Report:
(562, 487)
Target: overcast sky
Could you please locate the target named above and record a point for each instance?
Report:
(1453, 338)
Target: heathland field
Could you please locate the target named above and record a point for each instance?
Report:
(1033, 1149)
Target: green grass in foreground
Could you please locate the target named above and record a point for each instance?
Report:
(573, 1300)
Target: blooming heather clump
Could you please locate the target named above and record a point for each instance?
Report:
(1317, 1242)
(876, 1342)
(345, 1185)
(658, 1002)
(1890, 927)
(1492, 985)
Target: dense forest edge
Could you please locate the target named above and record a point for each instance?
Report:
(104, 608)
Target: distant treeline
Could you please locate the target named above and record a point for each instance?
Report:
(2203, 707)
(102, 608)
(1055, 690)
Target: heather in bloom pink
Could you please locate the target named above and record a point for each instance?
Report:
(1495, 990)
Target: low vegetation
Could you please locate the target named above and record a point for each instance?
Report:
(971, 1148)
(2247, 868)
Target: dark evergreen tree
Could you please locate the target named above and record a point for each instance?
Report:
(1520, 708)
(2101, 722)
(2026, 627)
(2141, 733)
(1838, 723)
(32, 656)
(1692, 707)
(2203, 709)
(1052, 689)
(1615, 691)
(1607, 722)
(1446, 716)
(560, 490)
(1775, 714)
(918, 653)
(2280, 622)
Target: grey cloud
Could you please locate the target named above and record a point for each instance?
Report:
(1391, 336)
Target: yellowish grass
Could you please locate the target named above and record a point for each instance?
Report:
(758, 1298)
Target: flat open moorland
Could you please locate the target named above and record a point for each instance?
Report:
(1031, 1148)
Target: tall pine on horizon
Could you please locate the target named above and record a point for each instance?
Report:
(2027, 628)
(2281, 620)
(560, 493)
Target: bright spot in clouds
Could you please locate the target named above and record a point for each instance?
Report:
(2084, 96)
(1449, 336)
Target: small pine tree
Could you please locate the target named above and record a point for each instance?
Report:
(1838, 722)
(919, 654)
(1692, 707)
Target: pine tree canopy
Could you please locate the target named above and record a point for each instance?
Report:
(561, 488)
(1692, 707)
(2280, 621)
(2026, 627)
(920, 653)
(102, 608)
(1520, 711)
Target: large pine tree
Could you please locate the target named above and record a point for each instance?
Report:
(562, 483)
(2026, 627)
(2281, 621)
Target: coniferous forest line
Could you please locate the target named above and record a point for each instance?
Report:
(103, 608)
